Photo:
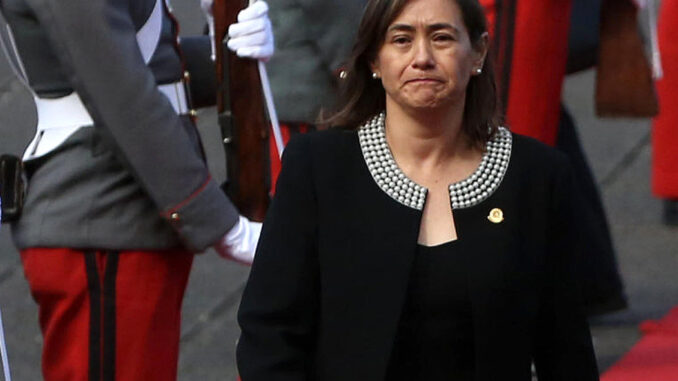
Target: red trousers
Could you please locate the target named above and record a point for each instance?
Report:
(106, 315)
(529, 44)
(665, 129)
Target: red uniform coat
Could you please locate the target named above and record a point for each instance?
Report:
(529, 42)
(665, 132)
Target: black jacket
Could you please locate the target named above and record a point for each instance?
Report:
(331, 272)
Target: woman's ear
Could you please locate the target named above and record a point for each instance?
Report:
(481, 47)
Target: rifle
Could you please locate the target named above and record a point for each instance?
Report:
(624, 80)
(242, 119)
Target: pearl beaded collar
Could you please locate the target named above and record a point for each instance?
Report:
(466, 193)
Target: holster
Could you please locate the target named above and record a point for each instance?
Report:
(12, 187)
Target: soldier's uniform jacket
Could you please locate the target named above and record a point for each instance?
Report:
(312, 41)
(137, 178)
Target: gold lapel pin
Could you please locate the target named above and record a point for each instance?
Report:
(496, 216)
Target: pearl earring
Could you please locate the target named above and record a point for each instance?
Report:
(375, 75)
(479, 70)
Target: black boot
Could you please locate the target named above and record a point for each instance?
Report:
(671, 212)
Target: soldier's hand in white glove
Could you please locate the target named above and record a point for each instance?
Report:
(252, 35)
(240, 243)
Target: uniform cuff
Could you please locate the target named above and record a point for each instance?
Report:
(204, 217)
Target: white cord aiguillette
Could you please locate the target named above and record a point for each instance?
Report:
(270, 105)
(3, 352)
(657, 69)
(268, 94)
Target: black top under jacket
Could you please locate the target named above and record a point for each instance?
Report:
(331, 273)
(434, 341)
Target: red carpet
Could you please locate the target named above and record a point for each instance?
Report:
(654, 357)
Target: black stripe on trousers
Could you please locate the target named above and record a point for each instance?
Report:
(102, 316)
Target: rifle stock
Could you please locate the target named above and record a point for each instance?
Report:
(242, 119)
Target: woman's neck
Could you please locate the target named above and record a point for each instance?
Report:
(426, 140)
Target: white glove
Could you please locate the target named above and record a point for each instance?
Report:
(252, 35)
(240, 243)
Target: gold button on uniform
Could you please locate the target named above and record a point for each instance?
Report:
(496, 216)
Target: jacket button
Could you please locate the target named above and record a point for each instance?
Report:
(175, 217)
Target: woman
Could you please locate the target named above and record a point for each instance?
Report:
(372, 267)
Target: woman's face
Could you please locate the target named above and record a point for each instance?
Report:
(427, 57)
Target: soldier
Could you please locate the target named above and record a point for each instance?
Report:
(530, 46)
(313, 39)
(119, 195)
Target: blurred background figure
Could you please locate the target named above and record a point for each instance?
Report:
(313, 38)
(665, 131)
(530, 41)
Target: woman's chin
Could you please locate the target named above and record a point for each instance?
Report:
(426, 105)
(424, 102)
(428, 102)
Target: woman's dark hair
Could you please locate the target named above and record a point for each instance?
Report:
(362, 97)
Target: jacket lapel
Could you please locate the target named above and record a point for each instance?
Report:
(365, 273)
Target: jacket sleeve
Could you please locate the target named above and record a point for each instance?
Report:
(279, 307)
(96, 43)
(563, 350)
(17, 109)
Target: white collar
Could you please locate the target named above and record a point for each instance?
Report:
(463, 194)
